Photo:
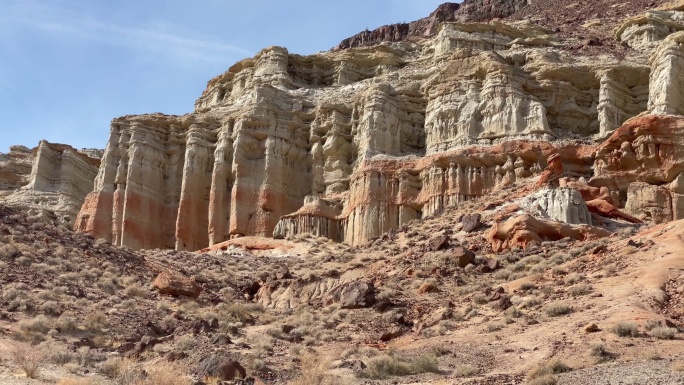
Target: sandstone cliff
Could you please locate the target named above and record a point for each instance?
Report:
(349, 144)
(52, 179)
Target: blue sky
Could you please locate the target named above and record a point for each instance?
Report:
(67, 67)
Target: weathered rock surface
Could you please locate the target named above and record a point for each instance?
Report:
(641, 163)
(525, 230)
(352, 143)
(51, 180)
(176, 285)
(559, 204)
(467, 11)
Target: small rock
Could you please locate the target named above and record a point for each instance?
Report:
(427, 288)
(176, 285)
(222, 368)
(176, 356)
(283, 273)
(355, 365)
(391, 334)
(438, 243)
(493, 264)
(471, 222)
(592, 328)
(464, 256)
(357, 295)
(221, 339)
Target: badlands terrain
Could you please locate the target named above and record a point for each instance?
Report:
(492, 194)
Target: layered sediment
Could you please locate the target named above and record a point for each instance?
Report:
(351, 143)
(51, 179)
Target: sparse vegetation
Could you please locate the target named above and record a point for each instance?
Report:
(29, 358)
(544, 372)
(625, 329)
(465, 370)
(557, 309)
(664, 333)
(598, 349)
(385, 366)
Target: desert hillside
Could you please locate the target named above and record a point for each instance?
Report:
(491, 194)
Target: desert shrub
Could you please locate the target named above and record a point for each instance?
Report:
(678, 366)
(494, 326)
(525, 286)
(29, 358)
(384, 366)
(625, 329)
(57, 353)
(480, 299)
(184, 343)
(50, 307)
(598, 349)
(165, 373)
(557, 309)
(34, 330)
(573, 278)
(548, 369)
(465, 370)
(314, 371)
(664, 333)
(579, 290)
(426, 364)
(652, 324)
(135, 290)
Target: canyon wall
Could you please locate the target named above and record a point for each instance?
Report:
(51, 179)
(351, 143)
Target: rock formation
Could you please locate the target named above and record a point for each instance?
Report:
(467, 11)
(351, 143)
(560, 204)
(52, 179)
(525, 231)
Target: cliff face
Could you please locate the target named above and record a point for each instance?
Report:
(349, 144)
(467, 11)
(52, 179)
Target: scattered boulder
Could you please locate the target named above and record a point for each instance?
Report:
(283, 273)
(592, 328)
(524, 231)
(176, 285)
(471, 222)
(391, 334)
(221, 368)
(427, 288)
(357, 295)
(355, 365)
(438, 243)
(464, 257)
(561, 204)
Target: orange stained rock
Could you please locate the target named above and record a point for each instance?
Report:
(553, 171)
(525, 230)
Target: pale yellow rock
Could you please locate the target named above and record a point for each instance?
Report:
(649, 202)
(51, 180)
(666, 80)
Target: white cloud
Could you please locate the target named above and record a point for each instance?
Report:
(157, 37)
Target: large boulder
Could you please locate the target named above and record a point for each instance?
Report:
(525, 230)
(357, 295)
(221, 368)
(649, 202)
(176, 285)
(559, 204)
